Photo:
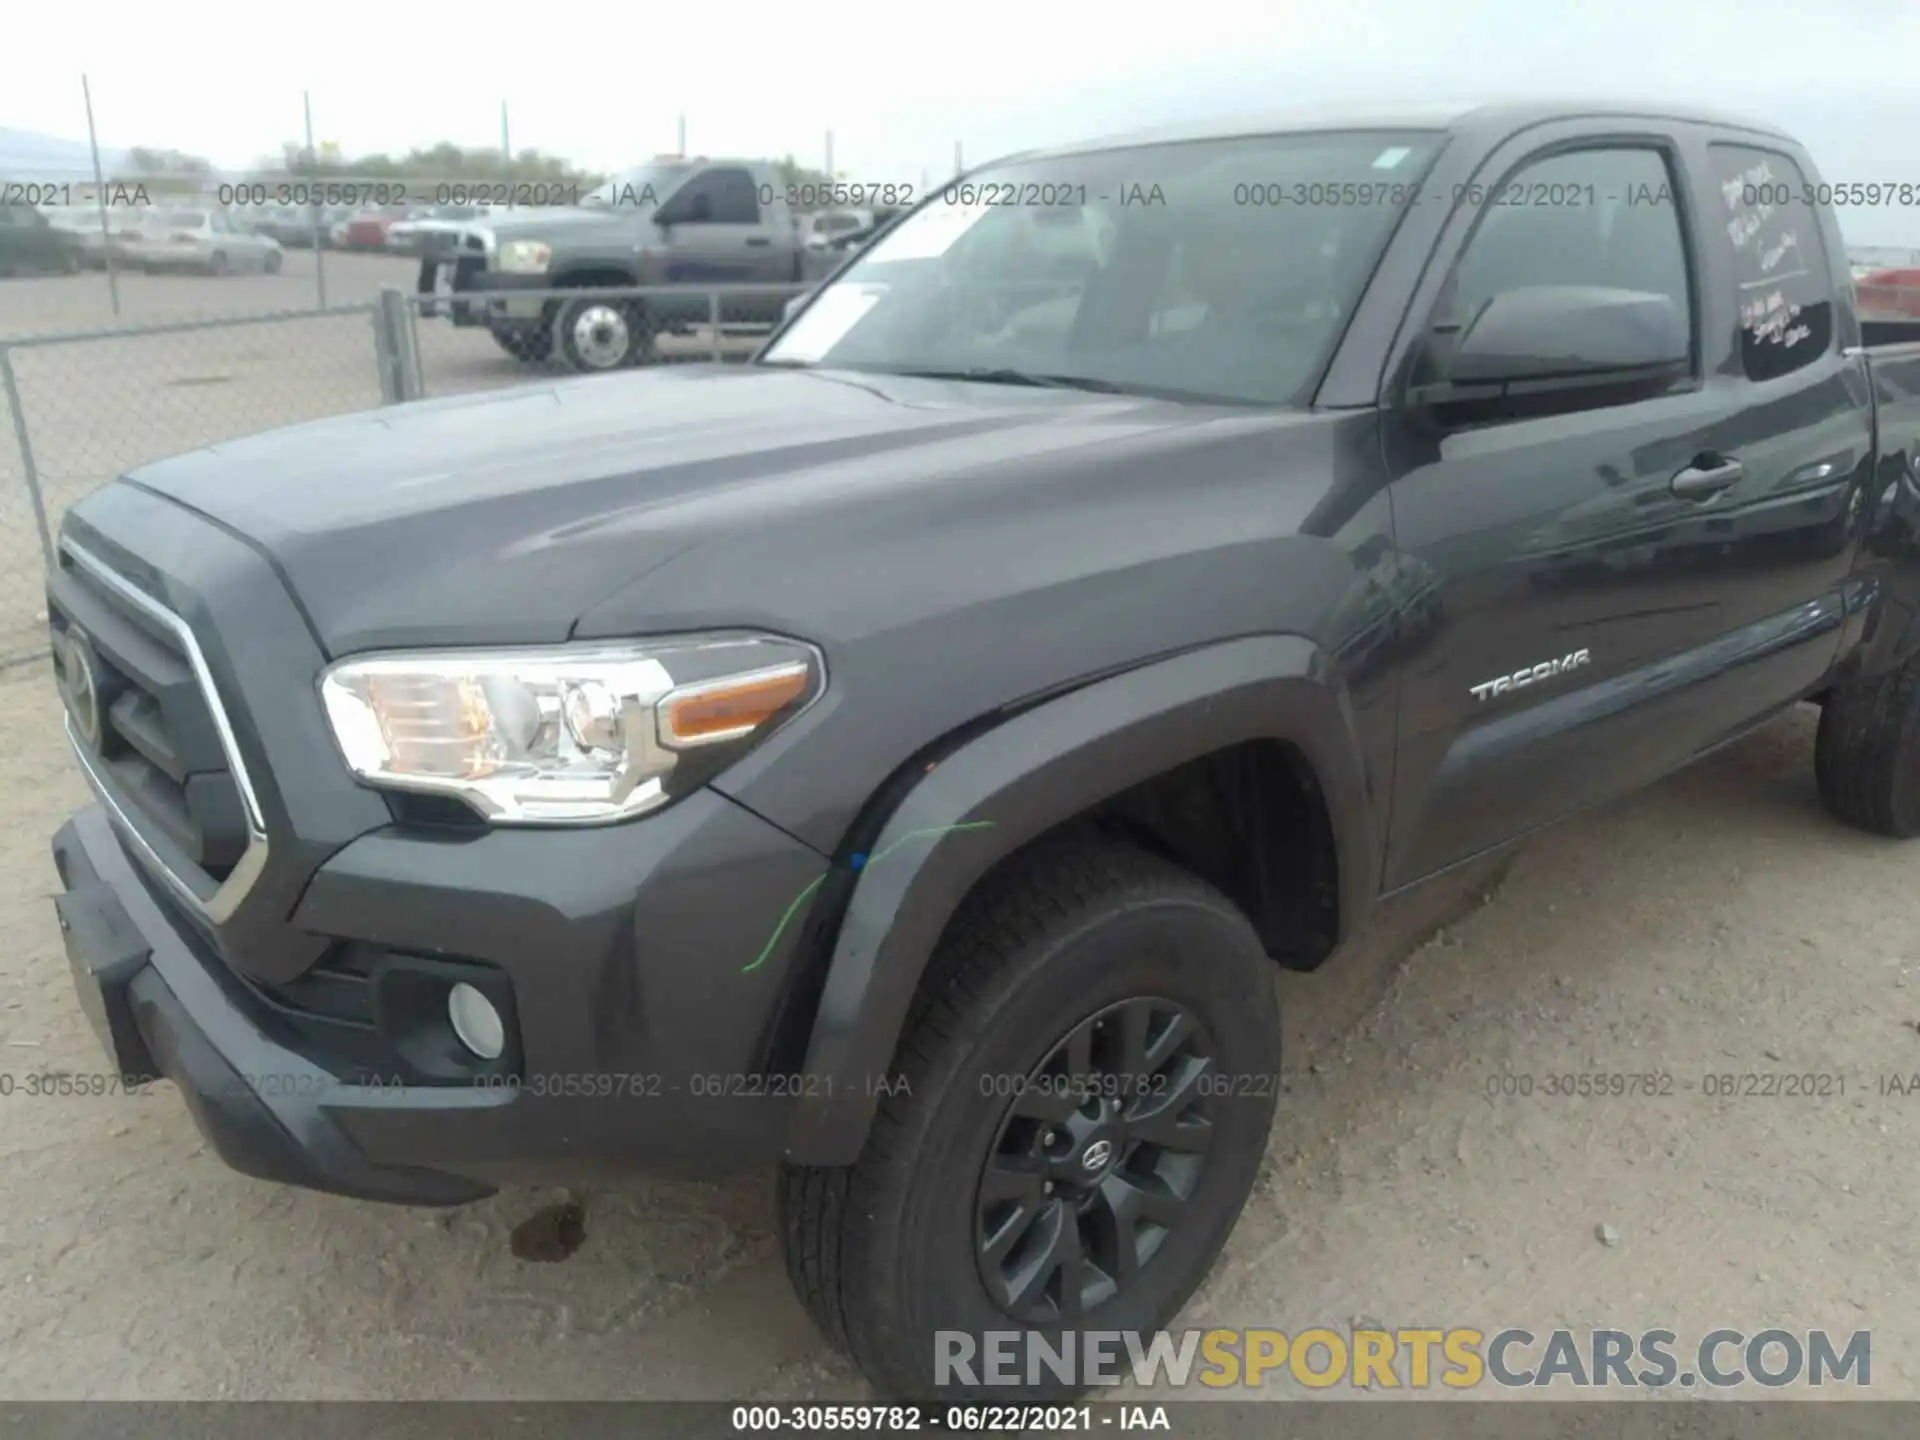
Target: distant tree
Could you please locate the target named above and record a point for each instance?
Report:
(794, 175)
(165, 172)
(442, 162)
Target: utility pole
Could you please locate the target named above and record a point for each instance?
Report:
(100, 197)
(681, 148)
(506, 145)
(829, 170)
(313, 206)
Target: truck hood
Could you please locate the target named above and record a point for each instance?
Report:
(558, 220)
(504, 517)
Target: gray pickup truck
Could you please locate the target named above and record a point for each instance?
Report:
(672, 223)
(906, 760)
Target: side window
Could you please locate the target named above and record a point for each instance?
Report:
(735, 202)
(694, 202)
(715, 197)
(1584, 217)
(1779, 261)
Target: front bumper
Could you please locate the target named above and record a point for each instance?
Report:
(158, 1013)
(465, 275)
(646, 1003)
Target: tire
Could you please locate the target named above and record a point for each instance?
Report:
(218, 264)
(595, 334)
(272, 263)
(532, 344)
(1866, 755)
(895, 1248)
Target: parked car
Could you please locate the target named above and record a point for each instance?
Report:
(30, 243)
(906, 760)
(675, 222)
(818, 231)
(83, 223)
(1891, 293)
(367, 230)
(291, 226)
(204, 240)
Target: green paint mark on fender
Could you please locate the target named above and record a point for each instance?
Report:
(858, 863)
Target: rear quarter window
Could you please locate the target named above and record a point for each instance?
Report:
(1780, 265)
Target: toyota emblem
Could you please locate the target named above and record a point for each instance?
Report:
(80, 685)
(1097, 1154)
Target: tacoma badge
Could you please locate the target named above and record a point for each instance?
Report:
(1545, 670)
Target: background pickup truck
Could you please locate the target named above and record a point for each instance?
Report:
(671, 223)
(905, 759)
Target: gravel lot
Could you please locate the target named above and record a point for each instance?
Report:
(1719, 923)
(98, 407)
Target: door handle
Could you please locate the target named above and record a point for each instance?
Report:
(759, 241)
(1702, 482)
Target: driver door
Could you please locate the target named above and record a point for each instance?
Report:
(1592, 631)
(710, 222)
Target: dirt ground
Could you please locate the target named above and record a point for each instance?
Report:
(1718, 924)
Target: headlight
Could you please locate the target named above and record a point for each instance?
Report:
(525, 257)
(566, 736)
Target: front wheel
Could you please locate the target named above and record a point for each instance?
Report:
(1080, 1106)
(530, 343)
(600, 334)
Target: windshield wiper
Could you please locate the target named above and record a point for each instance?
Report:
(1006, 376)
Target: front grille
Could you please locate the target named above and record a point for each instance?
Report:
(162, 752)
(446, 244)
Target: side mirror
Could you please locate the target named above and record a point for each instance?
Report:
(1547, 339)
(786, 310)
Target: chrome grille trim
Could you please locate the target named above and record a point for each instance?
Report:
(253, 859)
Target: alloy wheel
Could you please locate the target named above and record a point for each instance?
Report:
(1102, 1146)
(600, 336)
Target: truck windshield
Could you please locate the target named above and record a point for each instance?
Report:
(1216, 270)
(640, 188)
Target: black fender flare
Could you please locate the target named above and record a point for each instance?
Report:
(1019, 779)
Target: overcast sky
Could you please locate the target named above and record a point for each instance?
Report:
(899, 83)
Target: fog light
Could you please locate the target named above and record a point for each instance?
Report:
(476, 1022)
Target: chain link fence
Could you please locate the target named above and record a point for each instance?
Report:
(464, 343)
(80, 409)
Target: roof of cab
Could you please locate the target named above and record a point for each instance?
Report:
(1485, 120)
